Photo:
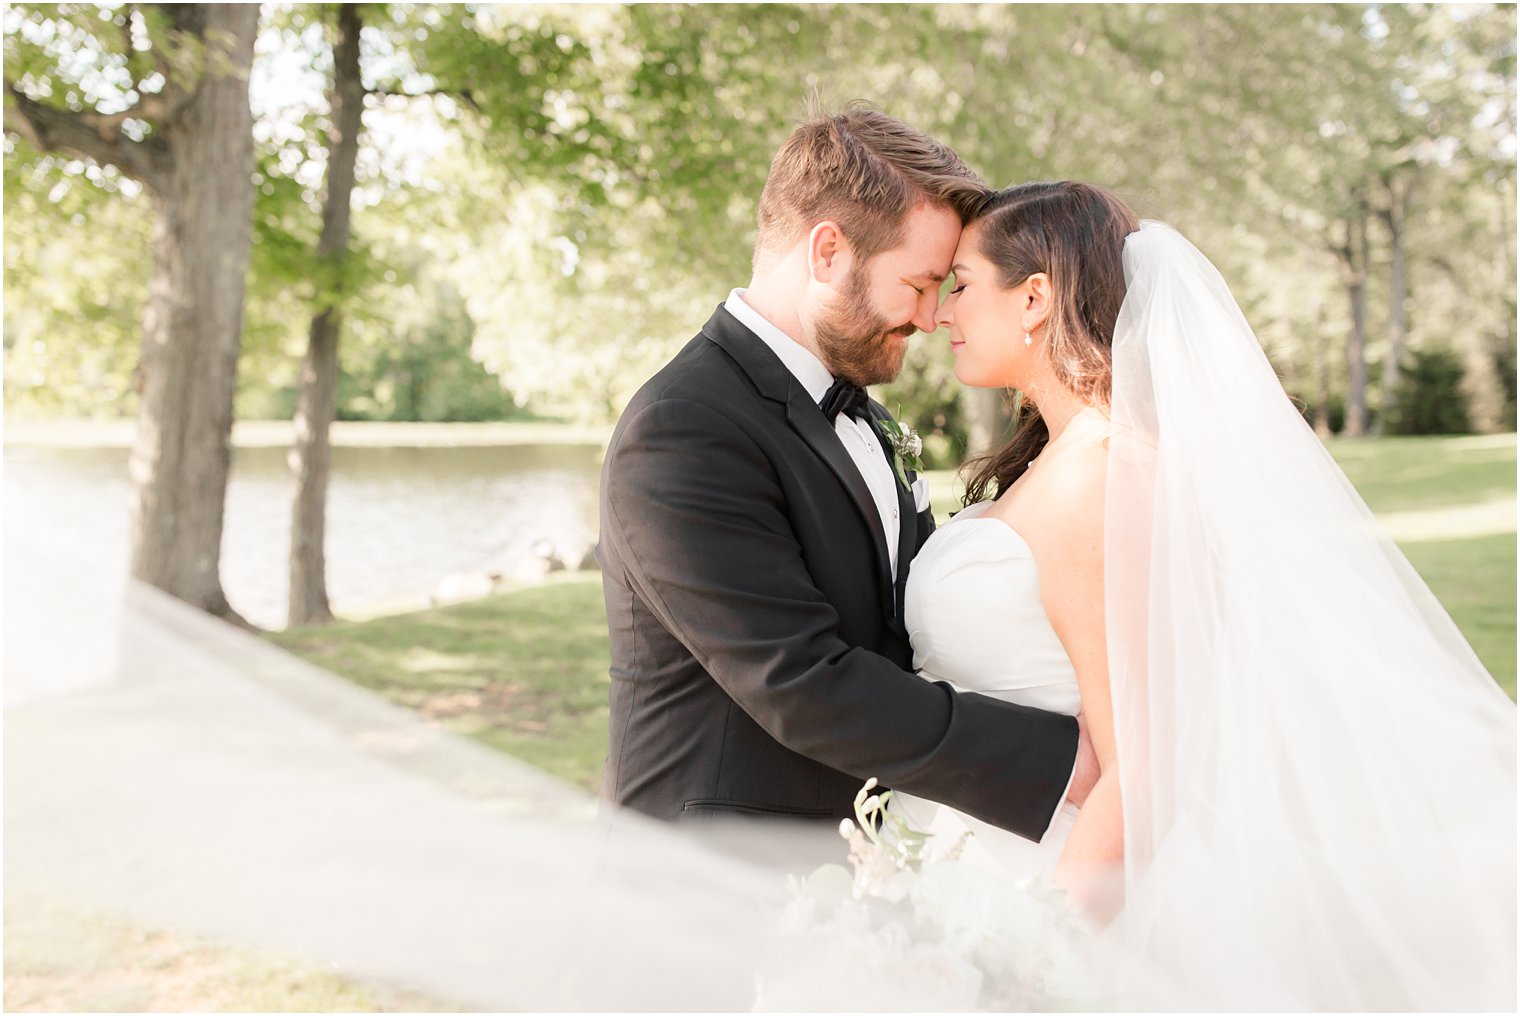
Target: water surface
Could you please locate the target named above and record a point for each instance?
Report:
(400, 520)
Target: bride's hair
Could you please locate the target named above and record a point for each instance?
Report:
(1073, 232)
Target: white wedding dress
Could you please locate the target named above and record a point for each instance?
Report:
(976, 575)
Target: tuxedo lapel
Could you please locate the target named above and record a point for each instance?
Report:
(907, 514)
(814, 428)
(775, 382)
(907, 541)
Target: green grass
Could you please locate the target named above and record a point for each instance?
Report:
(1474, 579)
(62, 957)
(1401, 473)
(526, 671)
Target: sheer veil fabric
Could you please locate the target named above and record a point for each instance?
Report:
(1319, 776)
(190, 777)
(1318, 773)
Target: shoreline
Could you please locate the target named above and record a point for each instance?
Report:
(345, 434)
(402, 606)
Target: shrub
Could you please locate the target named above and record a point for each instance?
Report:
(1431, 399)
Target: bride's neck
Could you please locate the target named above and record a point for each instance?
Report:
(1058, 408)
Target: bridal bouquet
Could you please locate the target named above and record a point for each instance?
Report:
(916, 929)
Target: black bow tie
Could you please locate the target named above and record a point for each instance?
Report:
(847, 398)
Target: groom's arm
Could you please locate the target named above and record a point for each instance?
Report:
(699, 522)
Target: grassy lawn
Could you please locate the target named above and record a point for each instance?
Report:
(1475, 581)
(526, 671)
(523, 671)
(1402, 473)
(66, 958)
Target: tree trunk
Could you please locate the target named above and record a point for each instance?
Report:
(1322, 373)
(1503, 356)
(192, 325)
(986, 420)
(416, 386)
(311, 455)
(1506, 236)
(1353, 261)
(1398, 297)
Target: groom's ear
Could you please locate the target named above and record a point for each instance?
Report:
(828, 251)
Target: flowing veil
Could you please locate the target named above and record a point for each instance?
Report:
(1318, 773)
(167, 769)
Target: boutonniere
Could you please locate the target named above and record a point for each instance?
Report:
(908, 446)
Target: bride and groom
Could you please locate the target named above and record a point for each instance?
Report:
(1164, 648)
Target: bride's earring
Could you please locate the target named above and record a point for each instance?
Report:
(1028, 340)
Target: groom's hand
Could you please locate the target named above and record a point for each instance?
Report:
(1086, 772)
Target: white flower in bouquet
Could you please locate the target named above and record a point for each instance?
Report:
(916, 928)
(936, 978)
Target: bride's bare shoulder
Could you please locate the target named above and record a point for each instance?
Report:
(1071, 502)
(1058, 505)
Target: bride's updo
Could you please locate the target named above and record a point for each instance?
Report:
(1074, 233)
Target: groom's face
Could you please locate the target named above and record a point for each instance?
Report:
(863, 336)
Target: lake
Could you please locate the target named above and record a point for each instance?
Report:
(402, 521)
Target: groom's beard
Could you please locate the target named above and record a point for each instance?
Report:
(857, 343)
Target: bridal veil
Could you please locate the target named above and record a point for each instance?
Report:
(1318, 773)
(1319, 776)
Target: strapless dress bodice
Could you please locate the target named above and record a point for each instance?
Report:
(976, 619)
(977, 622)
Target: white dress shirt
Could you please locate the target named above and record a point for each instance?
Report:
(857, 436)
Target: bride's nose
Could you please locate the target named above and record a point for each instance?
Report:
(945, 316)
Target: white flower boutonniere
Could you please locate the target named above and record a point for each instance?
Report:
(908, 446)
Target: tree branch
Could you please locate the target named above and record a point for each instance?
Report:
(147, 107)
(91, 135)
(464, 95)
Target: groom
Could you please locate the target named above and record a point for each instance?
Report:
(756, 539)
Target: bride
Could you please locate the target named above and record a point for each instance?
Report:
(1307, 797)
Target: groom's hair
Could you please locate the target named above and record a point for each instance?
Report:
(865, 171)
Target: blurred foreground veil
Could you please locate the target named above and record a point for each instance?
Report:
(163, 766)
(1318, 773)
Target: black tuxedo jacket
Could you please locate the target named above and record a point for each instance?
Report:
(759, 659)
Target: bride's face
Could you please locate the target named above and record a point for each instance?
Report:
(986, 322)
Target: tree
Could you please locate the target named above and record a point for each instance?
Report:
(73, 323)
(503, 73)
(1322, 403)
(164, 101)
(1393, 214)
(1350, 250)
(592, 187)
(311, 456)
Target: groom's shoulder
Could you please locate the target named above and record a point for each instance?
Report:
(703, 374)
(691, 373)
